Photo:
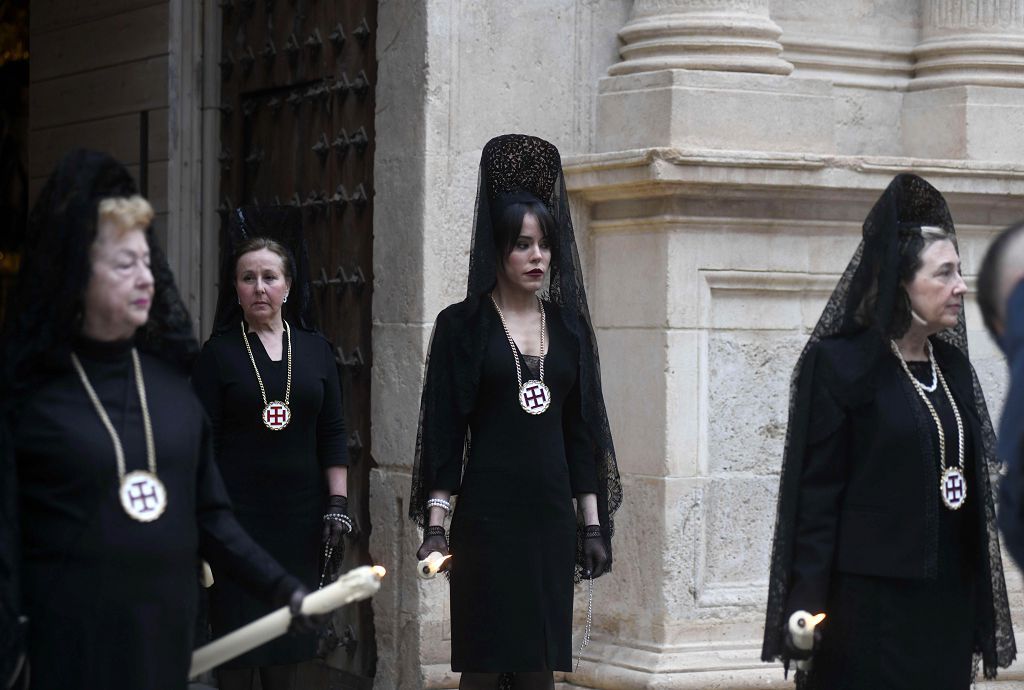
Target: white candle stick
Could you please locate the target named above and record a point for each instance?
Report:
(801, 629)
(428, 567)
(355, 585)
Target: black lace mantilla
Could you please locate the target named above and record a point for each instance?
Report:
(511, 164)
(45, 311)
(908, 201)
(283, 224)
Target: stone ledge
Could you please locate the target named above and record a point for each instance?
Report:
(663, 171)
(706, 667)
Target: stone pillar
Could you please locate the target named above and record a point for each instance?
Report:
(717, 35)
(968, 75)
(971, 43)
(688, 71)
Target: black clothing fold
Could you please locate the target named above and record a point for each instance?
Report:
(112, 601)
(275, 478)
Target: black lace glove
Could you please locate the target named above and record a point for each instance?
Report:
(434, 539)
(304, 623)
(595, 553)
(337, 522)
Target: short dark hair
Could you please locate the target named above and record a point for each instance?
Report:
(508, 222)
(254, 244)
(990, 275)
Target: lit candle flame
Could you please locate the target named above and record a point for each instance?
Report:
(380, 571)
(817, 619)
(436, 564)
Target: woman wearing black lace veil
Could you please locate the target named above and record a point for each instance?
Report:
(513, 421)
(116, 484)
(269, 382)
(885, 517)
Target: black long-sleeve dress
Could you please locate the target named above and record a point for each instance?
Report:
(112, 601)
(275, 478)
(513, 534)
(899, 576)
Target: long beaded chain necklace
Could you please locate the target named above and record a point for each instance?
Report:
(534, 395)
(276, 414)
(143, 496)
(953, 482)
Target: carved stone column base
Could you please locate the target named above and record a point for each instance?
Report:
(973, 59)
(735, 41)
(714, 110)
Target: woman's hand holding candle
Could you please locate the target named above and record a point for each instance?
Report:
(434, 541)
(802, 637)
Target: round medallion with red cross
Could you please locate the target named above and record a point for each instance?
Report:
(534, 397)
(143, 496)
(276, 415)
(953, 488)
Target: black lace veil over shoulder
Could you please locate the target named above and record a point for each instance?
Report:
(45, 310)
(280, 223)
(511, 166)
(869, 298)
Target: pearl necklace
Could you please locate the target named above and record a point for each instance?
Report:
(953, 482)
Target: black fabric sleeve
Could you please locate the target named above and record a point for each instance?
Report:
(206, 383)
(822, 483)
(331, 441)
(579, 449)
(443, 423)
(229, 549)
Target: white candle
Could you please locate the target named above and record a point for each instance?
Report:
(801, 629)
(428, 567)
(355, 585)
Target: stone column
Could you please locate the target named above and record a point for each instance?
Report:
(718, 35)
(971, 43)
(968, 75)
(688, 70)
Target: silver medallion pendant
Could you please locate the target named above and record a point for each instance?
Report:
(534, 397)
(953, 488)
(143, 496)
(276, 415)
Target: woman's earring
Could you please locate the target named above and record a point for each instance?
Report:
(285, 298)
(914, 315)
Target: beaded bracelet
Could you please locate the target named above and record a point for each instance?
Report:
(592, 531)
(339, 517)
(439, 503)
(434, 531)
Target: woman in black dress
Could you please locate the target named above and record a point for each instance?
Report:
(270, 385)
(886, 519)
(519, 376)
(117, 489)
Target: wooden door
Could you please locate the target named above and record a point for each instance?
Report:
(297, 128)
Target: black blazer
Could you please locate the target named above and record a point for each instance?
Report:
(868, 500)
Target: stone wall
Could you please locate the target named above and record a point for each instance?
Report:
(722, 156)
